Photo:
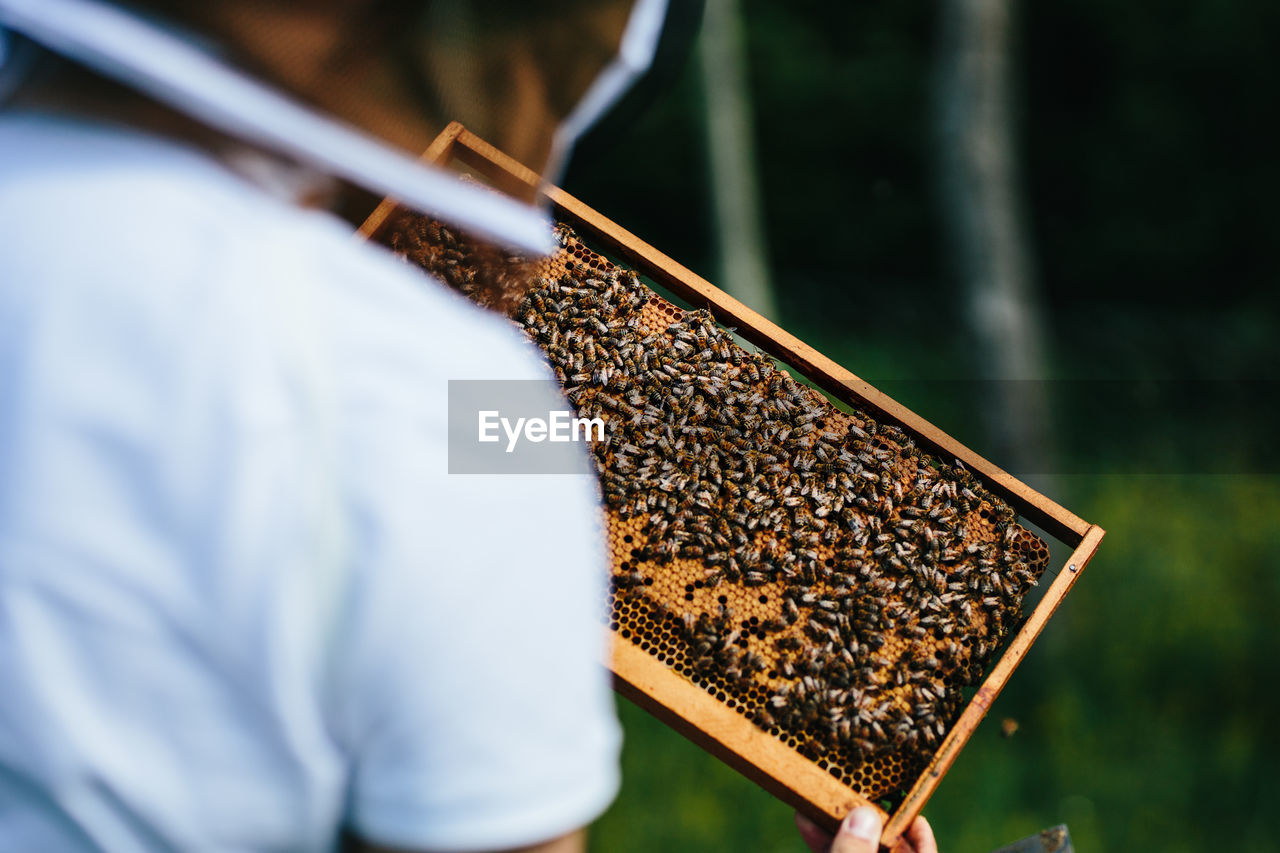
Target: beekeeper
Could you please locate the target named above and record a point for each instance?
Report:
(242, 604)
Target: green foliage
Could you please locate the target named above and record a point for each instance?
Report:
(1147, 708)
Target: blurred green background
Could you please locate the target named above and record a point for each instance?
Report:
(1146, 149)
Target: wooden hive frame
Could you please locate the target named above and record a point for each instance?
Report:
(680, 703)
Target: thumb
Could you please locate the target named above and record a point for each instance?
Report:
(859, 832)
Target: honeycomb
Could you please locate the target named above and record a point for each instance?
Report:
(811, 568)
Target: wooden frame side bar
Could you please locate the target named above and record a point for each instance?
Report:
(991, 687)
(731, 737)
(1058, 521)
(437, 152)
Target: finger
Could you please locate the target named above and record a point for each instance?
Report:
(817, 840)
(921, 836)
(860, 832)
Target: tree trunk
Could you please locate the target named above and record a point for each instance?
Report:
(985, 226)
(743, 256)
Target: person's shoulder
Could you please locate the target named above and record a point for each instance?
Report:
(384, 304)
(99, 181)
(87, 207)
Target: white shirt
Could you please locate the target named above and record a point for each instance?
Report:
(241, 601)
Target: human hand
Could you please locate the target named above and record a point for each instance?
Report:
(860, 833)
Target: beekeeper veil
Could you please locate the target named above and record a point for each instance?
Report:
(530, 77)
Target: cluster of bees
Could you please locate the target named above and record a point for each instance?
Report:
(893, 576)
